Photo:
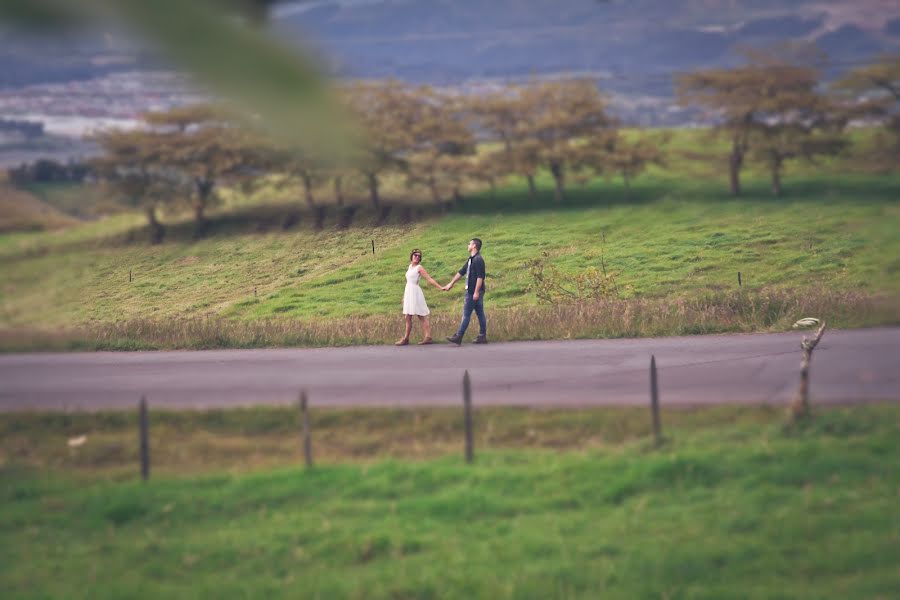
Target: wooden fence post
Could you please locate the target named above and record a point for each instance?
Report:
(467, 408)
(800, 405)
(654, 403)
(307, 439)
(144, 438)
(739, 279)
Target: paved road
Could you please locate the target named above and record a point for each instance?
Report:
(855, 365)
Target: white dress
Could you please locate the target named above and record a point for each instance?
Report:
(413, 298)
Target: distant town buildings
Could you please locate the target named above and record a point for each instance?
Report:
(75, 108)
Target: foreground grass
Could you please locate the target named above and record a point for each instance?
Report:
(668, 238)
(725, 510)
(247, 439)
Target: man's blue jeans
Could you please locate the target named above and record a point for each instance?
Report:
(469, 305)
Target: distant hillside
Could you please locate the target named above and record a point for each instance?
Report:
(633, 47)
(21, 211)
(634, 43)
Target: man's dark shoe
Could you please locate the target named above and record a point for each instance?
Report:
(481, 339)
(455, 339)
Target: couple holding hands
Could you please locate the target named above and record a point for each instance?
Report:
(414, 300)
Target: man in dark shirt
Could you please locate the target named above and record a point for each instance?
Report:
(473, 271)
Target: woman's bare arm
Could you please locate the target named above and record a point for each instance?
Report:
(425, 274)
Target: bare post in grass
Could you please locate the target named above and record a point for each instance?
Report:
(739, 279)
(373, 247)
(654, 403)
(307, 439)
(800, 405)
(467, 408)
(129, 275)
(145, 439)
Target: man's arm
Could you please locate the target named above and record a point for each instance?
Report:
(456, 277)
(452, 281)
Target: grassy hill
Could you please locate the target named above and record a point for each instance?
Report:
(733, 506)
(22, 211)
(668, 239)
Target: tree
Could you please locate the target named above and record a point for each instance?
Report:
(794, 137)
(500, 115)
(384, 110)
(793, 118)
(485, 168)
(732, 94)
(771, 100)
(526, 160)
(207, 145)
(567, 120)
(626, 157)
(872, 93)
(440, 142)
(131, 165)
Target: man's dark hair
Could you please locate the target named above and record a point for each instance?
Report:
(477, 244)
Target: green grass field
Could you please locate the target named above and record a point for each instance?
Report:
(669, 237)
(733, 506)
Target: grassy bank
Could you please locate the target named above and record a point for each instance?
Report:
(733, 506)
(723, 312)
(668, 238)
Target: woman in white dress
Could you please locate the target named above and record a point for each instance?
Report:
(414, 299)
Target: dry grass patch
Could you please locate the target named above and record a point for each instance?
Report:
(722, 312)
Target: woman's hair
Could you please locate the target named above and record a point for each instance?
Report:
(415, 251)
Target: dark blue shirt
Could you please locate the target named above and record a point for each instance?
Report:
(475, 271)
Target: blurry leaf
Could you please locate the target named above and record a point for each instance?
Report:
(39, 14)
(234, 58)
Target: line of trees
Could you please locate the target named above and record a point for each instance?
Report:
(773, 109)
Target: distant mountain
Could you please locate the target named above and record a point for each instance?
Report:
(850, 43)
(892, 27)
(634, 47)
(449, 41)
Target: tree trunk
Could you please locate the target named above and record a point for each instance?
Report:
(199, 218)
(532, 189)
(373, 191)
(338, 192)
(559, 177)
(735, 161)
(157, 231)
(346, 217)
(204, 188)
(457, 196)
(383, 215)
(307, 191)
(776, 176)
(435, 194)
(320, 218)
